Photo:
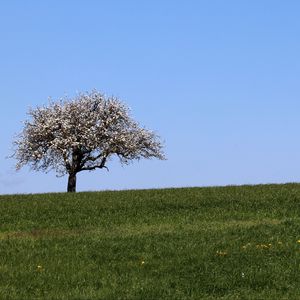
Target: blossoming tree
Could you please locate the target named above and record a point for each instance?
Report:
(82, 134)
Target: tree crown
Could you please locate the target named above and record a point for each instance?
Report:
(74, 135)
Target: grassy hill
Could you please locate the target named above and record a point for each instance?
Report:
(190, 243)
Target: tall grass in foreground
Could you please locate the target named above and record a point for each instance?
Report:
(191, 243)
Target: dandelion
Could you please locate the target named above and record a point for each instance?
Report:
(243, 274)
(263, 246)
(221, 253)
(39, 268)
(245, 246)
(298, 241)
(142, 262)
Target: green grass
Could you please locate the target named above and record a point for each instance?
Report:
(190, 243)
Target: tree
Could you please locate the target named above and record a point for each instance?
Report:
(82, 134)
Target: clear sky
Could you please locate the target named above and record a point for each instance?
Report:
(218, 80)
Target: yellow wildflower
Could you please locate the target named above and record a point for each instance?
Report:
(247, 245)
(263, 246)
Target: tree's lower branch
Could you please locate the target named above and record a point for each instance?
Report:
(94, 168)
(100, 166)
(91, 158)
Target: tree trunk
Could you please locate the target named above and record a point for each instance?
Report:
(72, 183)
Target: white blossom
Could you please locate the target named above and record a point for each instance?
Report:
(74, 135)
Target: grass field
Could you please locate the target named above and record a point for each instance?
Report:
(191, 243)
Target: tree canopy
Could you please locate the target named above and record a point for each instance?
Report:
(82, 134)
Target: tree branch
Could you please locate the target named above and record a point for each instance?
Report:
(90, 158)
(100, 166)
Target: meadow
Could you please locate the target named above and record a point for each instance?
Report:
(235, 242)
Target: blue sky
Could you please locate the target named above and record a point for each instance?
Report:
(218, 80)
